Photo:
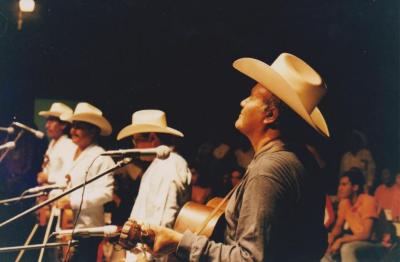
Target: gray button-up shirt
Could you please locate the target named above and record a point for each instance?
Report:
(275, 214)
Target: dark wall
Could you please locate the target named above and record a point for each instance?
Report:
(177, 55)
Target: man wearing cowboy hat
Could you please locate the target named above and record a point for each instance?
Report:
(165, 185)
(88, 123)
(60, 150)
(276, 212)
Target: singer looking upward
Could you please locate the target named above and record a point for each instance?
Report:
(276, 213)
(165, 185)
(88, 124)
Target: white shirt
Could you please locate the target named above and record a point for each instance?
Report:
(97, 193)
(59, 156)
(164, 189)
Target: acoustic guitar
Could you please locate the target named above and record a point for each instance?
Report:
(206, 220)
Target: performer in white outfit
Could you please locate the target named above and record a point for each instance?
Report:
(165, 186)
(61, 149)
(88, 124)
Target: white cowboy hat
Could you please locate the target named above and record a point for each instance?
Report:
(88, 113)
(294, 82)
(147, 121)
(56, 110)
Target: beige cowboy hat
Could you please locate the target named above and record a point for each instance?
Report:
(147, 121)
(56, 110)
(88, 113)
(294, 82)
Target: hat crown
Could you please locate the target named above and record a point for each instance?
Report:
(307, 83)
(60, 108)
(150, 117)
(86, 108)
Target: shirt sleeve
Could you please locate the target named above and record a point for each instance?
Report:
(178, 194)
(257, 212)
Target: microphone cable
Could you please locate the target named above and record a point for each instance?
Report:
(79, 209)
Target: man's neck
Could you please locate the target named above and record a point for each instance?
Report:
(354, 198)
(80, 149)
(259, 141)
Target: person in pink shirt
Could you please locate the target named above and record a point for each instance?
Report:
(387, 195)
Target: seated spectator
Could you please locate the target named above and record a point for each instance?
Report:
(236, 175)
(383, 194)
(396, 198)
(350, 238)
(359, 156)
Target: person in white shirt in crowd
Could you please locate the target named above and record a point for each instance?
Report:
(60, 150)
(88, 123)
(165, 185)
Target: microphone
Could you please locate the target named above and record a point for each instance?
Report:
(161, 152)
(38, 189)
(8, 145)
(37, 133)
(9, 129)
(106, 231)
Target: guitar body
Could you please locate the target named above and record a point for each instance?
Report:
(192, 216)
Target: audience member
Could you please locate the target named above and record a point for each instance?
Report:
(359, 156)
(351, 238)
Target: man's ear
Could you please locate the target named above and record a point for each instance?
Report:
(271, 115)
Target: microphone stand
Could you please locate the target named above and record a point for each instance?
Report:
(9, 149)
(120, 164)
(14, 199)
(36, 246)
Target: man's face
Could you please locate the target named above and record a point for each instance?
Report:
(141, 141)
(386, 177)
(145, 140)
(80, 134)
(346, 189)
(54, 127)
(252, 115)
(236, 177)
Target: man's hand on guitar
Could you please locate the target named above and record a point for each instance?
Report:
(165, 242)
(64, 203)
(159, 241)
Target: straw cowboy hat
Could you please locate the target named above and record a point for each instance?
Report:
(294, 82)
(147, 121)
(56, 110)
(88, 113)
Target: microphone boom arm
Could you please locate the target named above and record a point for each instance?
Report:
(120, 164)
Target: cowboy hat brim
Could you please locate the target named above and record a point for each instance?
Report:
(277, 85)
(146, 128)
(49, 113)
(55, 114)
(97, 120)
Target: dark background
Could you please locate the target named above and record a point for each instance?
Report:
(176, 56)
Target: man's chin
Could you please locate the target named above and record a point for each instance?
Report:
(238, 125)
